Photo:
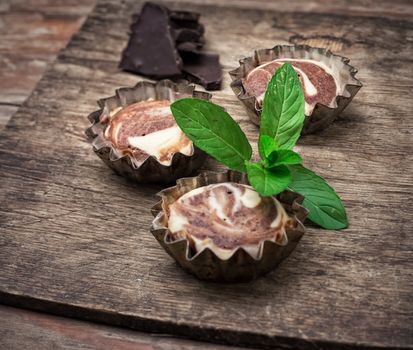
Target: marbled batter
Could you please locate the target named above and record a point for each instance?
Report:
(227, 216)
(146, 129)
(317, 80)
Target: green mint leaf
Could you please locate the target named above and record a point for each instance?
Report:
(271, 160)
(272, 156)
(266, 145)
(213, 130)
(268, 182)
(324, 205)
(282, 116)
(283, 156)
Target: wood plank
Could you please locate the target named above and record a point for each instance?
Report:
(24, 60)
(32, 33)
(366, 8)
(21, 329)
(75, 237)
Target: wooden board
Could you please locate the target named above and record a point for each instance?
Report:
(32, 32)
(21, 329)
(74, 236)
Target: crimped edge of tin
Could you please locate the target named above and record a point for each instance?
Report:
(241, 266)
(322, 115)
(150, 171)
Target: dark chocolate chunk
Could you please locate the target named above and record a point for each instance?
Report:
(189, 46)
(202, 68)
(185, 34)
(187, 30)
(199, 27)
(186, 16)
(141, 55)
(165, 44)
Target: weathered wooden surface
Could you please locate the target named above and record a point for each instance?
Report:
(33, 31)
(75, 237)
(22, 329)
(31, 34)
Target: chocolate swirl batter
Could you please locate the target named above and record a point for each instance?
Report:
(318, 83)
(147, 128)
(227, 216)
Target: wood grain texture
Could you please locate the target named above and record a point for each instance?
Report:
(32, 32)
(75, 236)
(22, 329)
(397, 9)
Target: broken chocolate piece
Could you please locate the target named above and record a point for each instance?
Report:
(187, 31)
(186, 16)
(161, 40)
(199, 27)
(189, 46)
(186, 34)
(141, 55)
(202, 68)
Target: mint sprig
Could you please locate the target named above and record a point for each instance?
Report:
(266, 145)
(267, 181)
(213, 130)
(323, 204)
(282, 116)
(282, 156)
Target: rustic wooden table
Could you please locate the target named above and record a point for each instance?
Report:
(60, 253)
(31, 34)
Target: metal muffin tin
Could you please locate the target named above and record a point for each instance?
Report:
(150, 171)
(322, 115)
(241, 266)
